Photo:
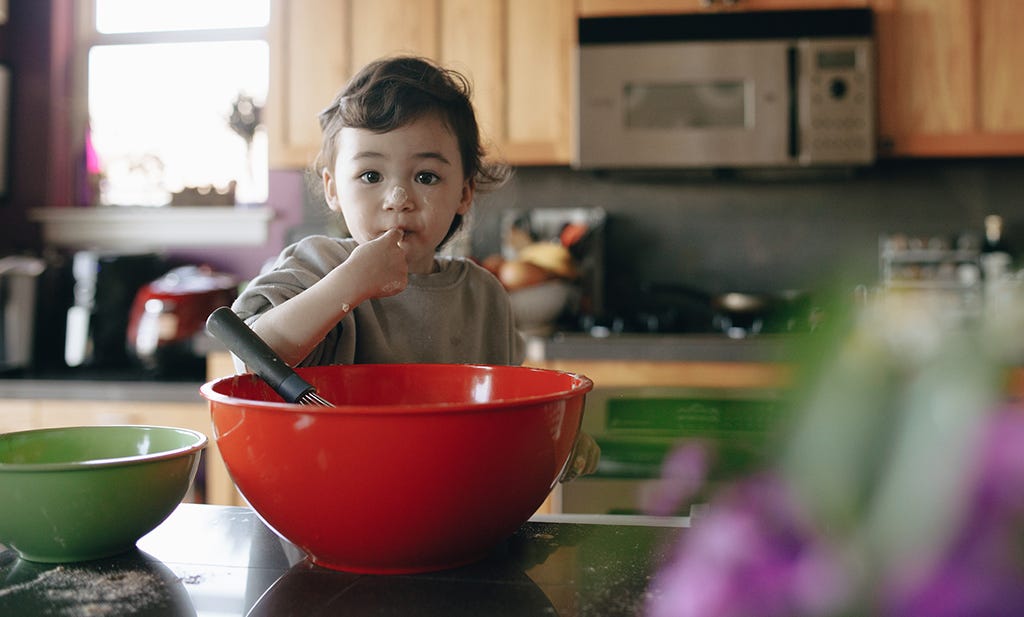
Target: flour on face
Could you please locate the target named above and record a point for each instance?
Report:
(396, 197)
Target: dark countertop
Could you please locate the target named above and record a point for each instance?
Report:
(214, 560)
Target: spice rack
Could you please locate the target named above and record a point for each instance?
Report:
(915, 264)
(930, 266)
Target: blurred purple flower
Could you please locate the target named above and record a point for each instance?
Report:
(752, 555)
(1001, 474)
(982, 572)
(683, 473)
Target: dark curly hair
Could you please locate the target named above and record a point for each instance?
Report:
(392, 92)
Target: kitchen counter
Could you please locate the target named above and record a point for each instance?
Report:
(701, 348)
(214, 560)
(127, 383)
(660, 347)
(101, 390)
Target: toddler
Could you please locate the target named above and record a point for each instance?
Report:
(400, 161)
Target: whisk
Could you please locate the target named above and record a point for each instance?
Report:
(239, 338)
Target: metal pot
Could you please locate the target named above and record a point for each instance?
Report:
(738, 314)
(19, 282)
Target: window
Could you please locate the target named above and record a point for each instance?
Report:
(175, 89)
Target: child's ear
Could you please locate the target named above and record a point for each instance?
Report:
(330, 191)
(466, 200)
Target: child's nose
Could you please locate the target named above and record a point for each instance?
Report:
(397, 199)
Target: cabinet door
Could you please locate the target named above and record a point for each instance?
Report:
(309, 63)
(541, 37)
(1001, 52)
(473, 43)
(387, 27)
(17, 415)
(946, 71)
(315, 48)
(195, 416)
(518, 56)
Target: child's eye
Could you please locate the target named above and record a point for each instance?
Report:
(427, 177)
(371, 177)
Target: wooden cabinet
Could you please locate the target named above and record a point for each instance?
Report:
(517, 55)
(946, 68)
(25, 414)
(308, 64)
(17, 415)
(596, 8)
(949, 82)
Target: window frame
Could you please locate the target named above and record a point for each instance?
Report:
(86, 36)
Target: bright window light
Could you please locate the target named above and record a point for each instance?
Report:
(175, 117)
(116, 16)
(160, 119)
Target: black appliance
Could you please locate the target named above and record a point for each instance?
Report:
(19, 286)
(35, 293)
(105, 285)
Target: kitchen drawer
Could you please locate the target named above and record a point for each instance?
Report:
(17, 415)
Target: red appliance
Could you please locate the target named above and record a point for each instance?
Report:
(166, 331)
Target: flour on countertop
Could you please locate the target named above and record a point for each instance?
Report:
(79, 592)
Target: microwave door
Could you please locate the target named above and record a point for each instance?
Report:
(715, 104)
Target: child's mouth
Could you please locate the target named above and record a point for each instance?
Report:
(403, 234)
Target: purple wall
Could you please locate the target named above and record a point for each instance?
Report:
(26, 48)
(286, 190)
(36, 44)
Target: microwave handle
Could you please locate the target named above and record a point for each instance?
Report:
(793, 72)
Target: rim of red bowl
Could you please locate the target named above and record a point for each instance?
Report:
(581, 385)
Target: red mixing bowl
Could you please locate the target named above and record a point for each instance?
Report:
(417, 467)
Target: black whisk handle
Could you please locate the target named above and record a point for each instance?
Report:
(239, 338)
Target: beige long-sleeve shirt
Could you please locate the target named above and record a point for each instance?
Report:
(458, 314)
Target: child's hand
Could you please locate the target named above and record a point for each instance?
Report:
(381, 264)
(583, 459)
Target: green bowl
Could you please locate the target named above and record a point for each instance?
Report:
(86, 492)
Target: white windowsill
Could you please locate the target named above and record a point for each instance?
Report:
(145, 228)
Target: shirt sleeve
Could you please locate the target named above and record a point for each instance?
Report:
(298, 267)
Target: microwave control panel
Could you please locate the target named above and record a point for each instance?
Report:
(836, 106)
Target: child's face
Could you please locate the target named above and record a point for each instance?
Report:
(410, 178)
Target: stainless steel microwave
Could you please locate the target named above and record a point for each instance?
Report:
(726, 90)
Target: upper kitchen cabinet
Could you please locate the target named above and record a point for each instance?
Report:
(309, 62)
(516, 53)
(599, 8)
(949, 82)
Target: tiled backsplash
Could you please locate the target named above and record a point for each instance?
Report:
(720, 233)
